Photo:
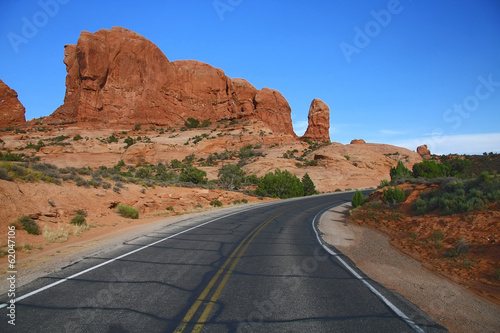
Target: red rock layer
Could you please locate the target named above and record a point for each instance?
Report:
(119, 77)
(11, 109)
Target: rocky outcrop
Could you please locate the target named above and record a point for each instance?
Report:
(119, 77)
(423, 151)
(11, 109)
(357, 141)
(318, 128)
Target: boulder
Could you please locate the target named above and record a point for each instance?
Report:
(11, 109)
(318, 128)
(423, 151)
(357, 141)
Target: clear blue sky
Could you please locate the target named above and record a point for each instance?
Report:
(428, 73)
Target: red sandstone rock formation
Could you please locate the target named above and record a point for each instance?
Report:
(11, 110)
(357, 141)
(423, 151)
(319, 121)
(119, 77)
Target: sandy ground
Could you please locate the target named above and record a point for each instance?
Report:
(449, 304)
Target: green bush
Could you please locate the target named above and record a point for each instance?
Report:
(190, 174)
(393, 195)
(460, 196)
(216, 203)
(231, 176)
(78, 219)
(29, 225)
(309, 187)
(127, 211)
(430, 169)
(280, 184)
(112, 139)
(206, 123)
(192, 123)
(383, 183)
(400, 171)
(358, 199)
(77, 137)
(4, 174)
(129, 141)
(419, 206)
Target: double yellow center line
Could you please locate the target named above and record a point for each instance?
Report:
(218, 282)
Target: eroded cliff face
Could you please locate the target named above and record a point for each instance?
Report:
(119, 77)
(11, 109)
(318, 128)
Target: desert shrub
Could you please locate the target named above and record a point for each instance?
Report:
(280, 184)
(309, 187)
(143, 173)
(460, 196)
(419, 206)
(11, 157)
(393, 195)
(192, 123)
(400, 171)
(216, 203)
(29, 225)
(430, 169)
(248, 152)
(461, 247)
(206, 123)
(4, 174)
(231, 176)
(252, 180)
(358, 199)
(77, 137)
(193, 175)
(383, 183)
(78, 219)
(127, 211)
(129, 141)
(458, 167)
(112, 138)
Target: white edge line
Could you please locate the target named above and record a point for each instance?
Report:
(34, 292)
(393, 307)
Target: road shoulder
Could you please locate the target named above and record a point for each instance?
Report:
(451, 305)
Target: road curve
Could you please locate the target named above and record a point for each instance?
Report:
(259, 269)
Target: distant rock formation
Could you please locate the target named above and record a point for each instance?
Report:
(11, 109)
(119, 77)
(318, 128)
(357, 141)
(423, 151)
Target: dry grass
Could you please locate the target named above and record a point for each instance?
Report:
(78, 229)
(58, 236)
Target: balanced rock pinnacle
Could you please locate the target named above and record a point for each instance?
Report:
(319, 121)
(11, 109)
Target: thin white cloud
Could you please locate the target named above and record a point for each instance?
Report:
(455, 144)
(391, 132)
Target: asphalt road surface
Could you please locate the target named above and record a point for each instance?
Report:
(259, 269)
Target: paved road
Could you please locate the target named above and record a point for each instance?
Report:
(258, 270)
